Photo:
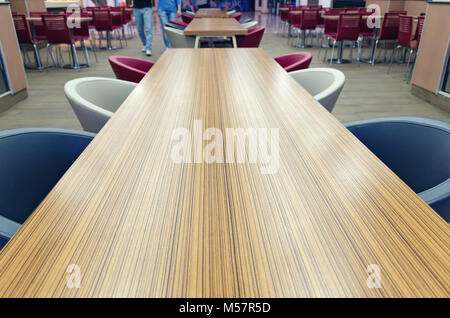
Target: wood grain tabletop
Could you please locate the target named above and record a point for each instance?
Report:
(217, 27)
(211, 13)
(128, 221)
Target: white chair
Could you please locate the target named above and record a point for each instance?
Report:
(325, 84)
(231, 12)
(177, 39)
(95, 99)
(250, 24)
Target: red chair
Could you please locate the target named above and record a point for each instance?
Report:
(284, 18)
(253, 37)
(39, 29)
(388, 32)
(406, 40)
(82, 33)
(186, 18)
(24, 37)
(129, 68)
(295, 61)
(309, 22)
(295, 18)
(236, 16)
(58, 33)
(180, 23)
(103, 22)
(347, 30)
(118, 23)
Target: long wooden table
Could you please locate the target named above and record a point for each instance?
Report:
(215, 28)
(138, 224)
(211, 13)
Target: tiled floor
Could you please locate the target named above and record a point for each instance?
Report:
(369, 92)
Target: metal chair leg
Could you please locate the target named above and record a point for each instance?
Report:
(86, 54)
(407, 64)
(332, 52)
(392, 58)
(359, 53)
(412, 67)
(37, 57)
(75, 57)
(374, 57)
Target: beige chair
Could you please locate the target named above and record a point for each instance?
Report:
(231, 12)
(250, 24)
(177, 39)
(95, 99)
(325, 84)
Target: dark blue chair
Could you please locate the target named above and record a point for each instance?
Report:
(417, 150)
(32, 160)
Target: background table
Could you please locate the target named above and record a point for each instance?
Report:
(138, 224)
(215, 28)
(211, 13)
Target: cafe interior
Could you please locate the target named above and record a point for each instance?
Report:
(249, 148)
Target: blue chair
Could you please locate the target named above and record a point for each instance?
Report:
(417, 150)
(32, 160)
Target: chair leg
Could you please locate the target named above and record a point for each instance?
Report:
(326, 51)
(412, 67)
(407, 64)
(37, 57)
(49, 52)
(374, 57)
(359, 53)
(86, 54)
(392, 58)
(332, 52)
(75, 56)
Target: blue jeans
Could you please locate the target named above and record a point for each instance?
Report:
(144, 23)
(165, 17)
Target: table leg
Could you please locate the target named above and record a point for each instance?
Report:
(233, 38)
(197, 41)
(340, 60)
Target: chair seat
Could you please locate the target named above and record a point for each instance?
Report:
(41, 37)
(80, 37)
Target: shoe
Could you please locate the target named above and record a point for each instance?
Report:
(148, 52)
(143, 49)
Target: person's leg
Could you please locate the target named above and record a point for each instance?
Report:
(148, 22)
(163, 18)
(138, 17)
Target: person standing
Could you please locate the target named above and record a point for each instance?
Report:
(168, 10)
(143, 15)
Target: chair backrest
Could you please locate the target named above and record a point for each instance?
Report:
(175, 26)
(180, 23)
(177, 39)
(56, 29)
(309, 19)
(415, 149)
(250, 24)
(253, 38)
(405, 30)
(364, 29)
(330, 26)
(419, 28)
(32, 160)
(83, 30)
(186, 18)
(95, 99)
(22, 29)
(117, 18)
(295, 61)
(348, 26)
(39, 28)
(129, 68)
(389, 28)
(102, 19)
(295, 18)
(284, 15)
(325, 84)
(236, 16)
